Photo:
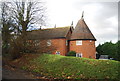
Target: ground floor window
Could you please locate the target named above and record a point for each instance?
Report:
(58, 52)
(78, 54)
(90, 56)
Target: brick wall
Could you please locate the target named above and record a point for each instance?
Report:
(87, 48)
(60, 46)
(56, 45)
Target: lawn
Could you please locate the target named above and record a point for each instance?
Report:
(68, 67)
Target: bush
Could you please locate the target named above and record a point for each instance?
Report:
(20, 46)
(71, 53)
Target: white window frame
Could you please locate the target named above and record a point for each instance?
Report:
(49, 43)
(90, 40)
(66, 43)
(57, 53)
(78, 42)
(37, 42)
(78, 54)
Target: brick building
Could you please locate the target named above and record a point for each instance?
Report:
(61, 40)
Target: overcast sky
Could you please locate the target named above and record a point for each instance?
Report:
(101, 17)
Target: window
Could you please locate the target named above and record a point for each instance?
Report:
(49, 43)
(36, 42)
(66, 42)
(90, 56)
(78, 42)
(79, 55)
(57, 52)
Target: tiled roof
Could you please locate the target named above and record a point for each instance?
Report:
(50, 33)
(82, 31)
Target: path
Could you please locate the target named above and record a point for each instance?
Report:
(13, 73)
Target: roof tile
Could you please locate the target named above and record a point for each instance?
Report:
(59, 32)
(82, 31)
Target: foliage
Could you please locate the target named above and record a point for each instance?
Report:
(17, 18)
(71, 53)
(6, 26)
(18, 46)
(43, 48)
(97, 56)
(64, 67)
(109, 48)
(25, 14)
(118, 51)
(24, 68)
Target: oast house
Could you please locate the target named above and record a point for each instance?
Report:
(61, 40)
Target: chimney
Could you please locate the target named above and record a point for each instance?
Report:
(82, 15)
(55, 26)
(72, 24)
(40, 28)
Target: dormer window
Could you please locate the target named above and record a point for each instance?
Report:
(78, 42)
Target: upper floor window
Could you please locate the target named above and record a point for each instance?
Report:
(78, 42)
(48, 42)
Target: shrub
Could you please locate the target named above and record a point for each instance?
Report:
(20, 46)
(71, 53)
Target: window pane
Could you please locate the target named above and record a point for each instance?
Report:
(78, 42)
(79, 55)
(66, 42)
(58, 52)
(49, 43)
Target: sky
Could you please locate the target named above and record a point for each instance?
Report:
(101, 17)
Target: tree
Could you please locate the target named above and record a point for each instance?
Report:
(99, 49)
(26, 13)
(109, 48)
(22, 15)
(118, 51)
(6, 26)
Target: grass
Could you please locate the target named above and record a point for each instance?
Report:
(68, 67)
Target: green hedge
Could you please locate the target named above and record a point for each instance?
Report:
(71, 53)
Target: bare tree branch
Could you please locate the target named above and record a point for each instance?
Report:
(25, 13)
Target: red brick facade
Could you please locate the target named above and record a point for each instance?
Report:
(60, 46)
(87, 49)
(64, 39)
